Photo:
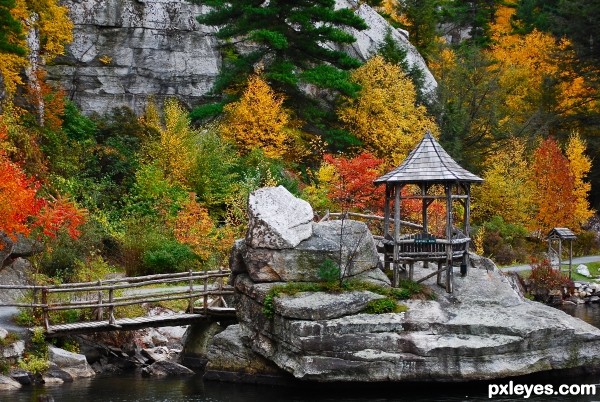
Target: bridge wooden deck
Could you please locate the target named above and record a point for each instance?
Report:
(204, 292)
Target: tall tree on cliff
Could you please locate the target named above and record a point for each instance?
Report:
(290, 41)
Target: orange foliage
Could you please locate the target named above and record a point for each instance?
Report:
(53, 101)
(354, 188)
(554, 185)
(21, 209)
(193, 227)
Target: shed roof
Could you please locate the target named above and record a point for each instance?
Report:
(428, 163)
(563, 233)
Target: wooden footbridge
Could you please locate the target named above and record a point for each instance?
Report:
(76, 308)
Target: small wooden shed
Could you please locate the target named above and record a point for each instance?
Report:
(556, 236)
(428, 166)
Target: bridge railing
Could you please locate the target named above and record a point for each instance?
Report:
(103, 296)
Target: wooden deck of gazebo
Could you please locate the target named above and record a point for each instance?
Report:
(428, 167)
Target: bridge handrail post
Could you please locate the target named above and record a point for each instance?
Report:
(100, 314)
(34, 299)
(45, 307)
(206, 295)
(190, 308)
(111, 308)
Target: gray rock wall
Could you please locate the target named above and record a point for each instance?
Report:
(125, 51)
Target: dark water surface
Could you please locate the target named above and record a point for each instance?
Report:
(132, 387)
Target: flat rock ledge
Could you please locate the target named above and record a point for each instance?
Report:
(484, 330)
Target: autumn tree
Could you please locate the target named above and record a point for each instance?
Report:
(506, 191)
(174, 149)
(194, 227)
(258, 120)
(580, 165)
(385, 116)
(23, 210)
(353, 187)
(554, 184)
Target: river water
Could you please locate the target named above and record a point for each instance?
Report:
(132, 387)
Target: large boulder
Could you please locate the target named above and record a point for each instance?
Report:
(349, 240)
(165, 368)
(484, 330)
(7, 383)
(73, 363)
(230, 359)
(277, 219)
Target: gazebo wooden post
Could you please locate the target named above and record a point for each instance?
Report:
(424, 207)
(386, 222)
(559, 255)
(570, 258)
(467, 227)
(449, 238)
(397, 191)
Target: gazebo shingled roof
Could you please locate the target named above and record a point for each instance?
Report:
(428, 162)
(563, 233)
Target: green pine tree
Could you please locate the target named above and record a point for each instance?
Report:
(9, 27)
(288, 38)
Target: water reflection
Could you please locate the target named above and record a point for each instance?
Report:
(589, 313)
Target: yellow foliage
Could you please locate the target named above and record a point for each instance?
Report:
(56, 29)
(525, 62)
(385, 116)
(174, 150)
(10, 68)
(580, 167)
(507, 189)
(258, 120)
(317, 193)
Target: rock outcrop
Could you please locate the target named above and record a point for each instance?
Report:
(484, 330)
(283, 244)
(126, 51)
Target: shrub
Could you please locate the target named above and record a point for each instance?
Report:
(169, 256)
(587, 243)
(34, 364)
(329, 271)
(545, 278)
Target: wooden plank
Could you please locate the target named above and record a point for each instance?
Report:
(124, 324)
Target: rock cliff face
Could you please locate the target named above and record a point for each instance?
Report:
(125, 51)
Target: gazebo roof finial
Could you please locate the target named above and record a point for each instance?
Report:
(428, 163)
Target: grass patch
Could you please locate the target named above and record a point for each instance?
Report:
(406, 290)
(9, 339)
(385, 305)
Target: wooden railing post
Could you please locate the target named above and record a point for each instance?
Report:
(45, 307)
(100, 312)
(206, 294)
(111, 308)
(190, 308)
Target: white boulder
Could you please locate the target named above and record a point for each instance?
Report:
(277, 219)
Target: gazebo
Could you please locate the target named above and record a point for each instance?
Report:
(428, 167)
(557, 235)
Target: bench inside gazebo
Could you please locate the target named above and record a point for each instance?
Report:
(434, 175)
